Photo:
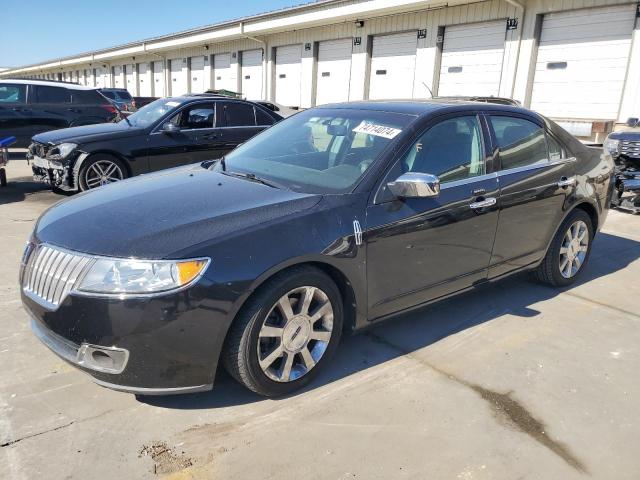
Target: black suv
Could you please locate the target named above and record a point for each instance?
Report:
(163, 134)
(120, 97)
(29, 107)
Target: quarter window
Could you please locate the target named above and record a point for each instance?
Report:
(12, 93)
(520, 141)
(262, 118)
(555, 149)
(452, 150)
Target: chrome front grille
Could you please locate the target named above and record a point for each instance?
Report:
(630, 149)
(50, 274)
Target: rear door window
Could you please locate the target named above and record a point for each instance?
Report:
(12, 93)
(521, 142)
(237, 114)
(45, 94)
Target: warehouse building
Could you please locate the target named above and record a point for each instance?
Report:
(576, 61)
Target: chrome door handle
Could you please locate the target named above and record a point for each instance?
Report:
(487, 202)
(566, 182)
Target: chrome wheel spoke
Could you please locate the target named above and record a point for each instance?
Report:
(577, 262)
(322, 310)
(564, 250)
(271, 332)
(306, 302)
(320, 335)
(285, 307)
(563, 263)
(286, 369)
(309, 362)
(272, 357)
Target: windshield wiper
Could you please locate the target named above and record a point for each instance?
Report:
(252, 177)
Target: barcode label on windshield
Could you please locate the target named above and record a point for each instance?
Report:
(377, 130)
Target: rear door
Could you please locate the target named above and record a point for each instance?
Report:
(15, 114)
(419, 249)
(534, 183)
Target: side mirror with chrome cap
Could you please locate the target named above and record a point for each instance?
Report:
(170, 128)
(415, 185)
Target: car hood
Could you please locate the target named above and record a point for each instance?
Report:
(88, 133)
(156, 216)
(632, 134)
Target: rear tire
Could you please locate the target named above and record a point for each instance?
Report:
(569, 251)
(286, 333)
(99, 170)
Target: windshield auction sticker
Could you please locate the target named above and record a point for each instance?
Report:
(377, 130)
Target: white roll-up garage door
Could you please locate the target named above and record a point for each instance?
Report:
(178, 78)
(101, 77)
(393, 64)
(158, 79)
(90, 77)
(130, 79)
(222, 72)
(582, 63)
(118, 78)
(334, 71)
(197, 75)
(288, 75)
(472, 59)
(251, 82)
(144, 80)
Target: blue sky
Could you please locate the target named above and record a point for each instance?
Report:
(35, 30)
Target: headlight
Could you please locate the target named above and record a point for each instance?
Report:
(611, 146)
(61, 151)
(140, 277)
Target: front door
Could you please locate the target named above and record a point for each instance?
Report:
(536, 177)
(189, 144)
(419, 249)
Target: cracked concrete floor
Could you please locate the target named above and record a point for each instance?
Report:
(512, 381)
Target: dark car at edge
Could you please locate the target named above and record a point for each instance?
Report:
(166, 133)
(29, 107)
(333, 219)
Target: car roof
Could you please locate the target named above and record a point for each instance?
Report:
(21, 81)
(429, 106)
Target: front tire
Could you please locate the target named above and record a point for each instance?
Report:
(100, 170)
(286, 333)
(569, 251)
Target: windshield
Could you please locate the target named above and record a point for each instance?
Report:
(151, 113)
(319, 150)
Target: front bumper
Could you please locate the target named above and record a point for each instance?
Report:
(165, 345)
(58, 174)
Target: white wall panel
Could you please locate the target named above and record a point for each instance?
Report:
(333, 71)
(582, 63)
(251, 74)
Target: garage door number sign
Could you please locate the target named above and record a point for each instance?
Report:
(377, 130)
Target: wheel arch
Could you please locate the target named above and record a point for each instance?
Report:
(341, 280)
(105, 152)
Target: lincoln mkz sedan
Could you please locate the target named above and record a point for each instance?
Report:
(332, 219)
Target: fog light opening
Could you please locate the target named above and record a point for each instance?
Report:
(103, 359)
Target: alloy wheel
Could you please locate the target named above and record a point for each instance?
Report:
(295, 334)
(574, 248)
(101, 173)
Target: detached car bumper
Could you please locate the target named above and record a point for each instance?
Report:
(150, 346)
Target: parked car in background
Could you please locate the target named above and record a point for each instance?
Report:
(121, 98)
(260, 262)
(142, 101)
(29, 107)
(624, 147)
(164, 134)
(483, 99)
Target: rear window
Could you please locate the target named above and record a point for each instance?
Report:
(124, 95)
(87, 97)
(12, 93)
(45, 94)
